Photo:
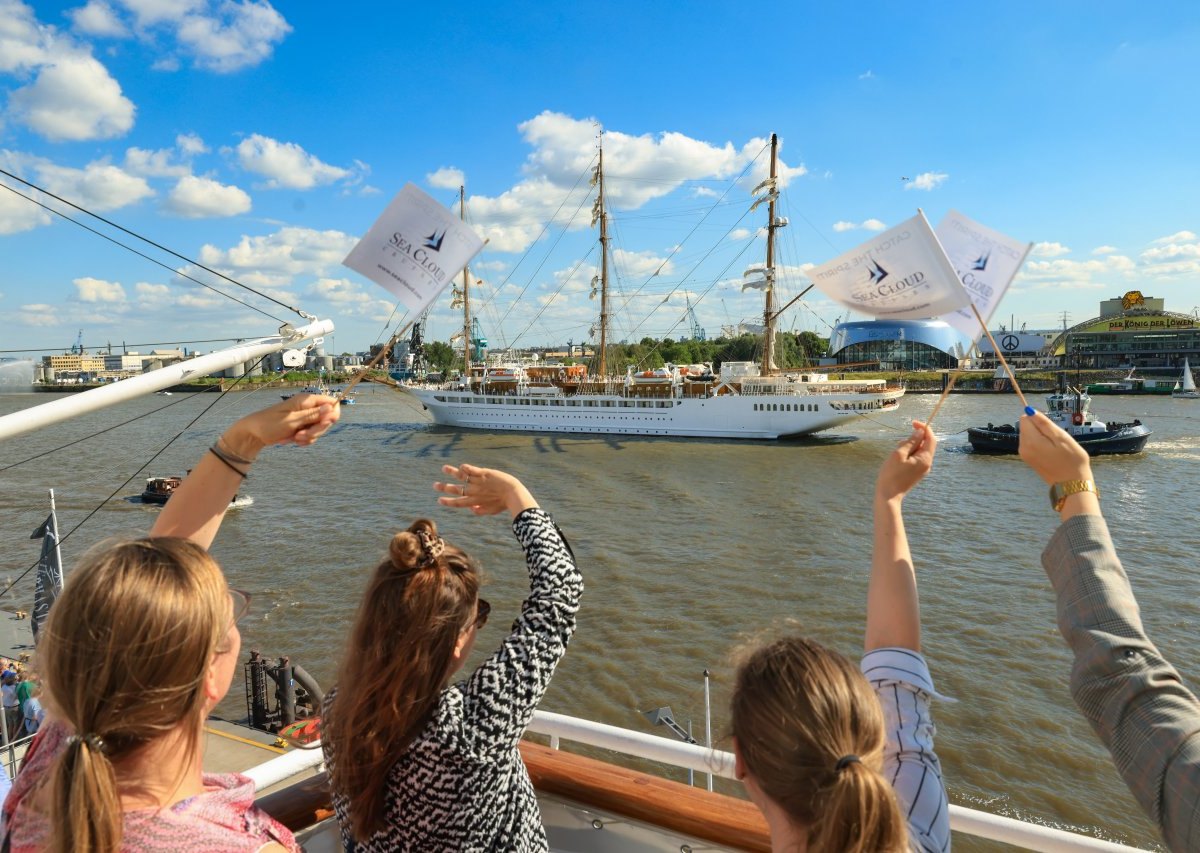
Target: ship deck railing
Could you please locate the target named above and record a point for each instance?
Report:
(309, 801)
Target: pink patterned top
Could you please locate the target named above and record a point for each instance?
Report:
(223, 819)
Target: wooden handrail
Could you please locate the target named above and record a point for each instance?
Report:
(672, 806)
(660, 802)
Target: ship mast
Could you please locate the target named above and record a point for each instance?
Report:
(466, 291)
(602, 370)
(769, 309)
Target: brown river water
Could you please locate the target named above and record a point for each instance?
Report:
(687, 548)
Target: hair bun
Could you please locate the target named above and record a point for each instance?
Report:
(410, 549)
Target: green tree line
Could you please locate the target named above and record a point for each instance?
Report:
(792, 349)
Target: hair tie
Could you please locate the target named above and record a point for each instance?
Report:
(433, 546)
(93, 742)
(844, 761)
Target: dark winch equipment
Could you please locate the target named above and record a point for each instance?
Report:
(297, 694)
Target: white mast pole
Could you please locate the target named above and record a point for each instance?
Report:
(30, 419)
(57, 547)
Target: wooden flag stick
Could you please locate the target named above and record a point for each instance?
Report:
(1012, 377)
(945, 393)
(379, 356)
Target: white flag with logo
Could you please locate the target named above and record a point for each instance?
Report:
(902, 274)
(986, 262)
(414, 249)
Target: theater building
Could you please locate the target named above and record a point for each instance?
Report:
(896, 344)
(1131, 331)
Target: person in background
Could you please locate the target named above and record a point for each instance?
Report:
(1133, 698)
(25, 689)
(139, 647)
(838, 760)
(12, 708)
(415, 764)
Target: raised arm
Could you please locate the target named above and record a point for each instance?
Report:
(893, 612)
(504, 691)
(1132, 697)
(197, 507)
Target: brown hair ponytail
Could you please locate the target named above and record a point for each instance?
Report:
(400, 654)
(810, 730)
(123, 660)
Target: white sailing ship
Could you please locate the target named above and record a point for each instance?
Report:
(744, 400)
(1185, 389)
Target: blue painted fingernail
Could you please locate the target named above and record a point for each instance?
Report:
(1029, 410)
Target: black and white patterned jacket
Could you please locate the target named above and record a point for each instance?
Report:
(461, 785)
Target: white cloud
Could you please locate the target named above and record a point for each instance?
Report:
(17, 214)
(926, 181)
(489, 266)
(1049, 250)
(24, 43)
(276, 259)
(97, 18)
(1104, 250)
(867, 75)
(285, 164)
(146, 289)
(866, 225)
(1177, 237)
(190, 144)
(151, 12)
(238, 35)
(740, 233)
(40, 314)
(155, 164)
(639, 265)
(1061, 273)
(446, 178)
(1177, 255)
(198, 198)
(73, 99)
(99, 185)
(98, 290)
(638, 169)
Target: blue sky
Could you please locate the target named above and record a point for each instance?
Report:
(263, 140)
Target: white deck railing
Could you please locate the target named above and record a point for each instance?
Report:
(558, 727)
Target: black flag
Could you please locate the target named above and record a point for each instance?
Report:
(49, 573)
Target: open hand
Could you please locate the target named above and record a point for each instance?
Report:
(1051, 452)
(907, 464)
(484, 491)
(300, 419)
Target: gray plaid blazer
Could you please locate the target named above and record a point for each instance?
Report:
(1133, 698)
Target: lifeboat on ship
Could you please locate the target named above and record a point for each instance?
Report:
(657, 376)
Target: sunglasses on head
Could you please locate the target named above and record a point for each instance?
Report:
(241, 603)
(482, 609)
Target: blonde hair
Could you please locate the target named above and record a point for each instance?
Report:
(798, 710)
(123, 661)
(400, 655)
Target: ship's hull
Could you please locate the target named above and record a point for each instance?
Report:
(1129, 438)
(729, 416)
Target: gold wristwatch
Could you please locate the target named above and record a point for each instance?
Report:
(1060, 491)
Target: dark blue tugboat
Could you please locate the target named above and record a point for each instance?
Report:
(1070, 411)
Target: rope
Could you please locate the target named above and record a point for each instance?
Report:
(168, 267)
(130, 479)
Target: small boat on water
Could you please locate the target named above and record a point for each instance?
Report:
(1185, 389)
(1070, 410)
(1131, 384)
(320, 389)
(159, 490)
